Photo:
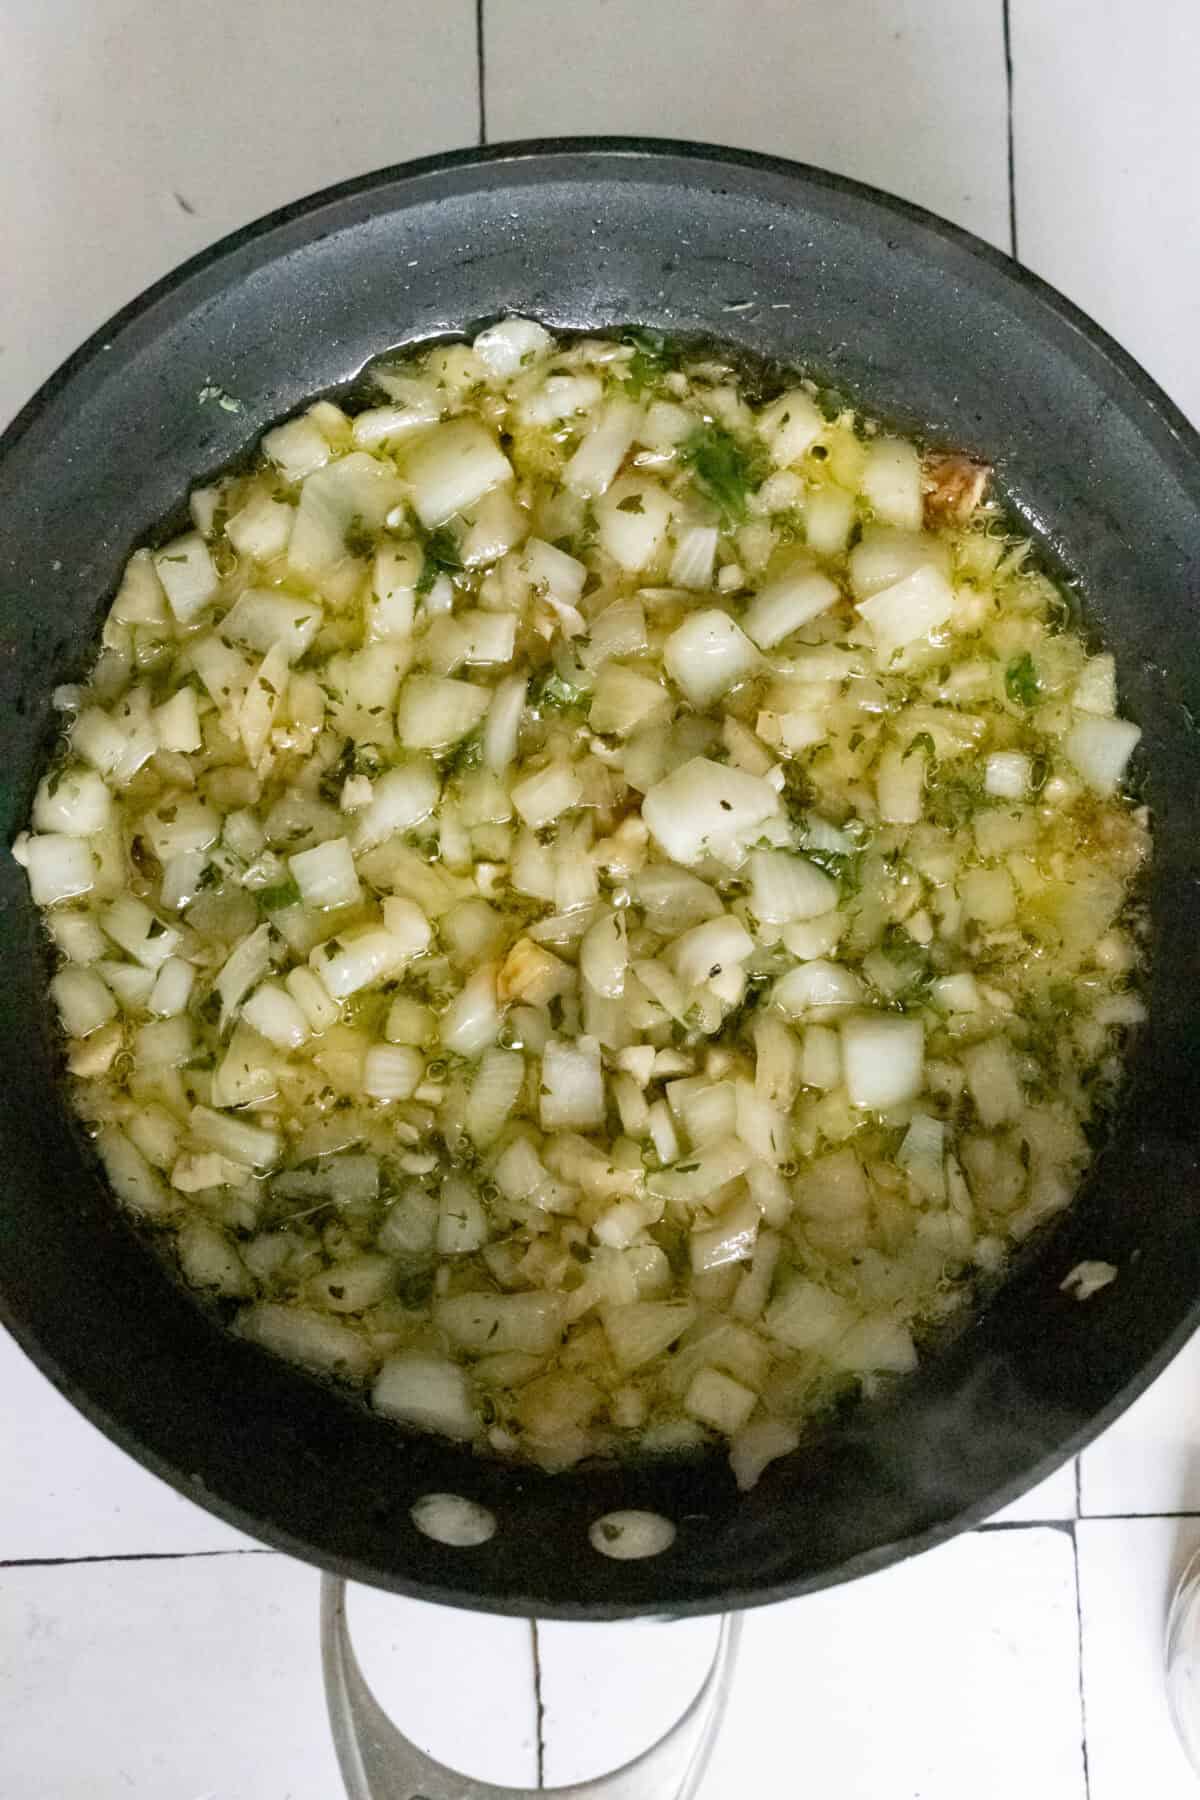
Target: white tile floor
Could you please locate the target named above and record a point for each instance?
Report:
(147, 1652)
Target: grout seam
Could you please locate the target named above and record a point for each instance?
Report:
(539, 1705)
(1083, 1741)
(481, 71)
(127, 1556)
(1012, 160)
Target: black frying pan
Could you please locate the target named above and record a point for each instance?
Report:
(937, 333)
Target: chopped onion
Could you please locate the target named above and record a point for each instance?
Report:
(707, 655)
(814, 985)
(695, 553)
(435, 712)
(472, 1021)
(891, 483)
(277, 1015)
(392, 1072)
(593, 468)
(494, 1093)
(633, 517)
(1100, 749)
(789, 602)
(189, 580)
(76, 804)
(430, 1393)
(702, 954)
(541, 797)
(512, 344)
(883, 1058)
(572, 1086)
(253, 1146)
(908, 610)
(452, 467)
(264, 618)
(84, 1002)
(786, 887)
(707, 807)
(790, 426)
(357, 959)
(326, 875)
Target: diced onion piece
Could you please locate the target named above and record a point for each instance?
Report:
(956, 993)
(312, 998)
(909, 610)
(297, 447)
(188, 577)
(707, 655)
(706, 951)
(602, 450)
(719, 1401)
(262, 700)
(633, 519)
(276, 1015)
(502, 729)
(572, 1086)
(900, 784)
(177, 723)
(326, 1346)
(84, 1002)
(806, 1316)
(130, 1176)
(512, 344)
(494, 1093)
(261, 529)
(77, 936)
(695, 553)
(488, 637)
(1096, 689)
(435, 712)
(813, 985)
(139, 598)
(623, 701)
(729, 1240)
(462, 1223)
(756, 1445)
(172, 988)
(884, 557)
(496, 1323)
(541, 797)
(356, 959)
(1006, 775)
(705, 807)
(392, 1072)
(559, 396)
(790, 426)
(130, 923)
(326, 875)
(788, 602)
(989, 896)
(883, 1057)
(891, 483)
(828, 517)
(642, 1330)
(400, 799)
(430, 1393)
(992, 1081)
(451, 468)
(243, 970)
(355, 491)
(264, 617)
(472, 1020)
(922, 1154)
(1100, 749)
(100, 740)
(75, 802)
(786, 887)
(604, 955)
(392, 602)
(253, 1146)
(875, 1346)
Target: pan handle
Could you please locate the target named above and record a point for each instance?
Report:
(379, 1763)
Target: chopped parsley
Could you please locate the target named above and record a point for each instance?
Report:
(1021, 682)
(442, 557)
(726, 470)
(274, 899)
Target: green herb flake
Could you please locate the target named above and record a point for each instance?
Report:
(442, 557)
(274, 899)
(726, 470)
(1021, 682)
(633, 503)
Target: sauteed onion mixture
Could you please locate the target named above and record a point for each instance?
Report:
(593, 897)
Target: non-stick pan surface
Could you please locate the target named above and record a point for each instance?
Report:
(937, 333)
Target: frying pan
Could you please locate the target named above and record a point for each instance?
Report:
(943, 337)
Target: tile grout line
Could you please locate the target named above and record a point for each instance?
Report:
(1083, 1742)
(481, 71)
(1012, 161)
(539, 1705)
